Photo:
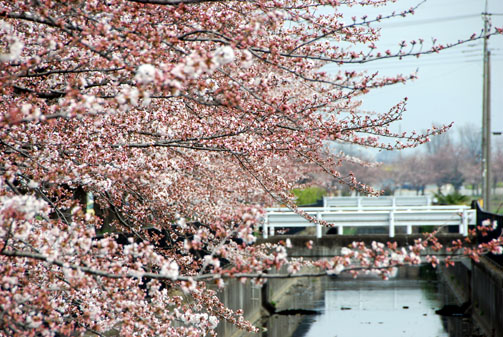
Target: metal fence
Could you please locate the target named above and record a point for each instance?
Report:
(483, 215)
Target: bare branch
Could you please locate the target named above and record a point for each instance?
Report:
(201, 277)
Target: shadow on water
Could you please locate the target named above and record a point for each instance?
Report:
(368, 306)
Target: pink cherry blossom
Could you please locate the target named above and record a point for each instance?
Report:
(141, 141)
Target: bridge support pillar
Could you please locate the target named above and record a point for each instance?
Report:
(391, 224)
(318, 225)
(463, 227)
(340, 230)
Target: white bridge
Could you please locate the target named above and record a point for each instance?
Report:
(383, 211)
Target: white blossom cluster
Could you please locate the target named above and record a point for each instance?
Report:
(170, 269)
(128, 96)
(28, 110)
(281, 253)
(195, 64)
(211, 261)
(192, 67)
(224, 55)
(15, 44)
(145, 74)
(26, 204)
(197, 319)
(488, 223)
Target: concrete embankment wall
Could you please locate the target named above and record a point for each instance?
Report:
(487, 296)
(482, 285)
(247, 296)
(237, 295)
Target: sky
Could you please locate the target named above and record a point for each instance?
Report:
(449, 87)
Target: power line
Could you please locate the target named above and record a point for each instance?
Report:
(428, 21)
(411, 66)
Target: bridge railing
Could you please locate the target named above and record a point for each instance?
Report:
(390, 217)
(383, 201)
(371, 208)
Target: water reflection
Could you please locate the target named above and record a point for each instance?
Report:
(404, 306)
(377, 308)
(369, 307)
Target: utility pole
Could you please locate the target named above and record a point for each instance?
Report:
(486, 119)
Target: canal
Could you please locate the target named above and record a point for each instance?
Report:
(368, 306)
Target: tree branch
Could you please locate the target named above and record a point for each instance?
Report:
(202, 277)
(176, 2)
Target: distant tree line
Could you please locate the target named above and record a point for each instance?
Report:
(446, 160)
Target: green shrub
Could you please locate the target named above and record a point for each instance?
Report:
(308, 195)
(454, 198)
(350, 230)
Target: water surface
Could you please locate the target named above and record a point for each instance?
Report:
(370, 307)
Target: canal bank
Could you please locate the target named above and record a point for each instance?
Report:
(281, 294)
(479, 285)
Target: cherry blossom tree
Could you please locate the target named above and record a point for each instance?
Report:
(446, 164)
(470, 140)
(414, 170)
(181, 119)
